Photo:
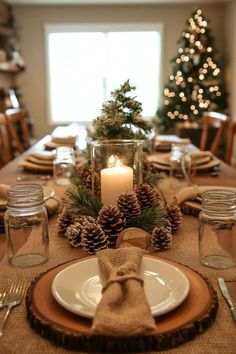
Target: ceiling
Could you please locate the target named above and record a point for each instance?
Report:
(116, 2)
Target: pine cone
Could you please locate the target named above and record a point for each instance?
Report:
(63, 221)
(174, 215)
(93, 238)
(81, 219)
(73, 234)
(85, 174)
(146, 195)
(161, 238)
(112, 221)
(128, 204)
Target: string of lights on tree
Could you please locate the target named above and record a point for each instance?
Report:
(196, 83)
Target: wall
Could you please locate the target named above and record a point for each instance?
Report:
(31, 20)
(231, 55)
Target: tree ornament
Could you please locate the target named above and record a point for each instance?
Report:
(73, 234)
(161, 238)
(112, 221)
(174, 215)
(128, 204)
(64, 219)
(146, 195)
(93, 238)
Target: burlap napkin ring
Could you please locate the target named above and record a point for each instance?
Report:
(123, 309)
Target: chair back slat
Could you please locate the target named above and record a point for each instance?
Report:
(231, 132)
(6, 153)
(18, 128)
(215, 119)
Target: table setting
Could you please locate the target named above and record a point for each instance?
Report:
(125, 267)
(202, 161)
(49, 318)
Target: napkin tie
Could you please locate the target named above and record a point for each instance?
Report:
(123, 309)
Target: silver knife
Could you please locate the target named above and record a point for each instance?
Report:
(227, 297)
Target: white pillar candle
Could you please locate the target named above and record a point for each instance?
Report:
(114, 181)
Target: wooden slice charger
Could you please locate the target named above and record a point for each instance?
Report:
(71, 331)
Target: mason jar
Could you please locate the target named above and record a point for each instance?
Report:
(63, 165)
(217, 229)
(26, 225)
(180, 166)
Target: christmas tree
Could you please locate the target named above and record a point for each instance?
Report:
(121, 117)
(196, 83)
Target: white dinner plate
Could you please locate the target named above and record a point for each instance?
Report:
(78, 287)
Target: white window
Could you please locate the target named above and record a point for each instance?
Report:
(86, 63)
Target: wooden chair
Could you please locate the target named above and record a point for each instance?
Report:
(217, 120)
(231, 132)
(18, 128)
(6, 154)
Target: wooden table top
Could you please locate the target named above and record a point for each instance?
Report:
(220, 338)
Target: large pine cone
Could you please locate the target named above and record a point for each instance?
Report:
(128, 204)
(174, 215)
(161, 238)
(93, 238)
(112, 221)
(147, 196)
(64, 219)
(73, 234)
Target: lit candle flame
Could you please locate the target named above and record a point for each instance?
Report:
(114, 161)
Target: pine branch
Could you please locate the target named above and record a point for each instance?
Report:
(149, 219)
(151, 178)
(80, 200)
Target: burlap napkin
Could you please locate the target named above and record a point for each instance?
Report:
(187, 193)
(198, 155)
(123, 309)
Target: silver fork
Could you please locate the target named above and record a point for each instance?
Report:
(2, 299)
(13, 298)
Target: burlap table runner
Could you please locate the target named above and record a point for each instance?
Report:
(220, 338)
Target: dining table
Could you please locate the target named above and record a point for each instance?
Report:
(20, 337)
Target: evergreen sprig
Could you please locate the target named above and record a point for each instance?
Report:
(150, 218)
(79, 200)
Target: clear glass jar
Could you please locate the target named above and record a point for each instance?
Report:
(26, 225)
(117, 166)
(217, 229)
(63, 165)
(180, 166)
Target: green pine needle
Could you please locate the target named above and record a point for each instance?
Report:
(149, 219)
(80, 201)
